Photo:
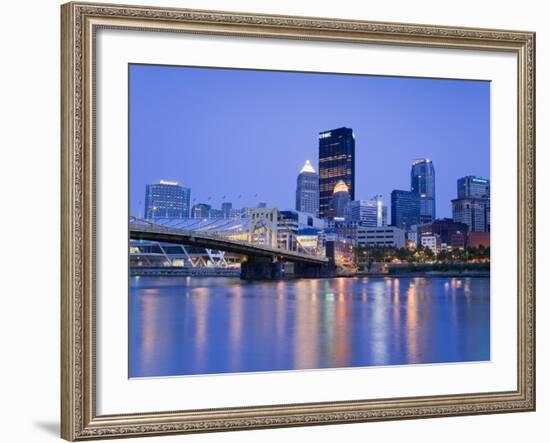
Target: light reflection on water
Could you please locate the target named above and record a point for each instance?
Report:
(181, 326)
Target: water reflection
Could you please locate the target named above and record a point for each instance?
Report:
(184, 326)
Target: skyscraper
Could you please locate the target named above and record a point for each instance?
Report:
(473, 212)
(339, 204)
(336, 162)
(473, 205)
(473, 187)
(423, 184)
(307, 190)
(405, 209)
(166, 199)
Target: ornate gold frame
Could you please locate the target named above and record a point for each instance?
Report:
(79, 420)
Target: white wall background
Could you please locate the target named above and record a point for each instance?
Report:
(29, 218)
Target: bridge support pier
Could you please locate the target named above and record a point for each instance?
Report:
(303, 270)
(261, 268)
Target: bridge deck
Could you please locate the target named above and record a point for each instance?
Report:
(212, 241)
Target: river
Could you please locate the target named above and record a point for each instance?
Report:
(189, 325)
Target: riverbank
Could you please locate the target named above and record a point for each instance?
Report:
(184, 272)
(425, 274)
(235, 273)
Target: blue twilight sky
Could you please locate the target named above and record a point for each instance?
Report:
(226, 132)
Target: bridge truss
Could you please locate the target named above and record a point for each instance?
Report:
(261, 227)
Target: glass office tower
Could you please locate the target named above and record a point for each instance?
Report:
(336, 163)
(405, 209)
(423, 184)
(473, 187)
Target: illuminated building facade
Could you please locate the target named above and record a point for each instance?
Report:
(288, 225)
(423, 184)
(340, 202)
(336, 162)
(452, 234)
(307, 190)
(166, 200)
(369, 213)
(433, 242)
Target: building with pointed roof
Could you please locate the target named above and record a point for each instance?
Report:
(307, 190)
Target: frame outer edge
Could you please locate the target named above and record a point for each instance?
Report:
(532, 222)
(78, 420)
(68, 428)
(534, 197)
(526, 222)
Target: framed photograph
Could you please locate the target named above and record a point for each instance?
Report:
(283, 221)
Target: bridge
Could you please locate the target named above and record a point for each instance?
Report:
(255, 238)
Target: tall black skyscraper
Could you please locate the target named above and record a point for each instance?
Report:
(405, 209)
(336, 162)
(423, 184)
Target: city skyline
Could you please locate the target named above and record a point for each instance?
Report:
(275, 184)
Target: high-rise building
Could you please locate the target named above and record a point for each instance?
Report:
(473, 187)
(473, 204)
(227, 209)
(368, 213)
(201, 210)
(474, 212)
(166, 199)
(307, 190)
(405, 209)
(336, 162)
(423, 184)
(340, 202)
